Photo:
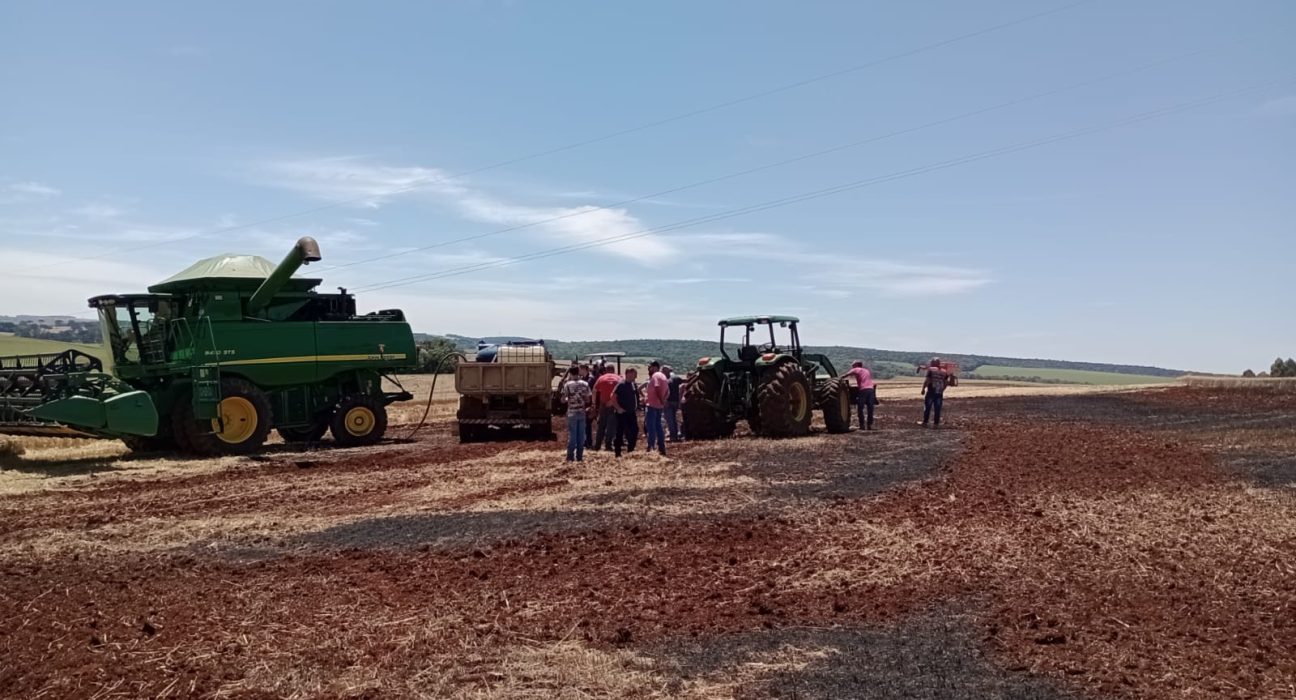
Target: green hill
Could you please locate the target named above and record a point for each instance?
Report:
(683, 354)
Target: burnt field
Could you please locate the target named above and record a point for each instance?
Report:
(1134, 544)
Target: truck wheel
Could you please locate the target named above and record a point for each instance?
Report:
(783, 401)
(701, 419)
(469, 432)
(834, 398)
(358, 420)
(242, 428)
(310, 433)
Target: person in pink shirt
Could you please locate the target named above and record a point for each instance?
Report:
(867, 397)
(657, 394)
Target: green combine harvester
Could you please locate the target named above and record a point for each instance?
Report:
(213, 358)
(774, 386)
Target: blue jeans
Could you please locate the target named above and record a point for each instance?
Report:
(653, 429)
(672, 420)
(576, 429)
(864, 405)
(935, 401)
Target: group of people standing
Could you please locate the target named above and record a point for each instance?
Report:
(600, 394)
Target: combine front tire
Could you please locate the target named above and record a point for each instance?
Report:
(783, 401)
(834, 398)
(701, 419)
(241, 428)
(162, 442)
(358, 420)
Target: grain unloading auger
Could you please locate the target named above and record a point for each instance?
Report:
(213, 358)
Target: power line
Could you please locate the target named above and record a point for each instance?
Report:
(432, 180)
(768, 166)
(825, 192)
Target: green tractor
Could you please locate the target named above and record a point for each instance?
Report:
(214, 358)
(774, 387)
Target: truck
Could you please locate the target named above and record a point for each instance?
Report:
(213, 358)
(506, 392)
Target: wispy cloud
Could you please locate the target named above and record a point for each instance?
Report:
(1279, 107)
(26, 191)
(373, 185)
(838, 274)
(98, 211)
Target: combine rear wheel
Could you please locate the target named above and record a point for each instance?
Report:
(241, 428)
(783, 401)
(359, 420)
(833, 397)
(701, 419)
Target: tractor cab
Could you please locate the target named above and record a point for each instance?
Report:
(753, 350)
(134, 327)
(603, 361)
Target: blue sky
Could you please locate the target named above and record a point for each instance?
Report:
(136, 137)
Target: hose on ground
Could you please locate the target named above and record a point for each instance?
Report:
(427, 409)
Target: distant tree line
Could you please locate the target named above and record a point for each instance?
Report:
(74, 332)
(432, 350)
(1279, 368)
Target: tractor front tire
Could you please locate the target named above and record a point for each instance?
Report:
(784, 401)
(242, 428)
(701, 419)
(834, 398)
(359, 420)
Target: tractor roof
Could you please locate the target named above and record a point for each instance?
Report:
(753, 320)
(228, 272)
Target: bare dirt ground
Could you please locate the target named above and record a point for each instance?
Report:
(1132, 544)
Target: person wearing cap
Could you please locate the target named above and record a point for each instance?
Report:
(657, 394)
(867, 393)
(673, 402)
(625, 401)
(933, 389)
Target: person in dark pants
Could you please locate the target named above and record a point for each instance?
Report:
(933, 389)
(604, 388)
(866, 397)
(626, 404)
(673, 403)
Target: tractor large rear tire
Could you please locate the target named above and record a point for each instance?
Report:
(833, 397)
(784, 401)
(358, 421)
(701, 420)
(245, 422)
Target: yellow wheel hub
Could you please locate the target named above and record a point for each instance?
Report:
(800, 402)
(237, 422)
(360, 421)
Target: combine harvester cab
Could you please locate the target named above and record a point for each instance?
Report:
(507, 392)
(774, 387)
(213, 358)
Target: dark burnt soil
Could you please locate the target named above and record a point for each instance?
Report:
(928, 657)
(1091, 555)
(1252, 431)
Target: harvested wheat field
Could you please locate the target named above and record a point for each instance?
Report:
(1139, 544)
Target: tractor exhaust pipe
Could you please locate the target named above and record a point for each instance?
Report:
(306, 251)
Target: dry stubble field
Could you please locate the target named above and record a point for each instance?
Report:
(1049, 545)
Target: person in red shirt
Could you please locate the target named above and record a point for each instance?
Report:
(657, 394)
(607, 415)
